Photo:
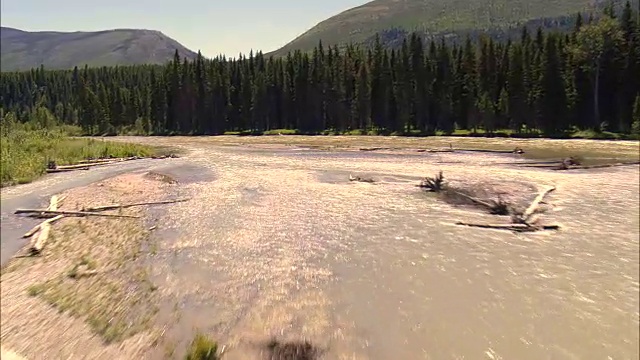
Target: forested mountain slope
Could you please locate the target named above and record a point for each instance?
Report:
(440, 17)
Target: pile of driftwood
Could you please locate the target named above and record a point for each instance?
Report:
(526, 221)
(39, 234)
(52, 167)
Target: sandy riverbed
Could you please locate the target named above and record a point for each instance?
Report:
(277, 242)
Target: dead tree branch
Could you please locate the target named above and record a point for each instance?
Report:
(121, 206)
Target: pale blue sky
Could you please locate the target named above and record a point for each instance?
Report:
(212, 26)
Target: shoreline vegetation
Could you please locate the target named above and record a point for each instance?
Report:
(480, 133)
(27, 149)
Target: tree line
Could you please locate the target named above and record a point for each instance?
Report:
(546, 83)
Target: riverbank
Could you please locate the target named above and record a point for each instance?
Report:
(25, 154)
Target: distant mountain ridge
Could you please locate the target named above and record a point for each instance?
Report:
(23, 50)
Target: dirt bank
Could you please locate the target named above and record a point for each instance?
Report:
(89, 293)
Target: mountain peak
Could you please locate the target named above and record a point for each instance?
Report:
(22, 50)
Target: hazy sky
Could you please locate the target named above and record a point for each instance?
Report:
(212, 26)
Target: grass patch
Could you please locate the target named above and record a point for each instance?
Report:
(202, 348)
(104, 286)
(25, 153)
(36, 289)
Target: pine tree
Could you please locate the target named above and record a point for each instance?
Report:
(517, 96)
(635, 127)
(553, 98)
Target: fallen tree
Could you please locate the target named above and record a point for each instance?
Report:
(437, 184)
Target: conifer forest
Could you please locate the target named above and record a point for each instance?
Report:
(541, 83)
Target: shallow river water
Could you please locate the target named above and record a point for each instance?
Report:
(278, 243)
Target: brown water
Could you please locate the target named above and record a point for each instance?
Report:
(280, 244)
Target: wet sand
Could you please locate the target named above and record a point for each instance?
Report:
(278, 243)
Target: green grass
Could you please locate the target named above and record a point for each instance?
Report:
(25, 153)
(202, 348)
(105, 287)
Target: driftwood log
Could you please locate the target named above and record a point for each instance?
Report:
(438, 150)
(121, 206)
(52, 171)
(37, 227)
(374, 149)
(526, 216)
(44, 212)
(85, 166)
(52, 167)
(54, 203)
(361, 179)
(41, 238)
(511, 227)
(169, 156)
(41, 235)
(103, 160)
(514, 151)
(585, 167)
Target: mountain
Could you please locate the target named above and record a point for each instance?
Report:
(23, 50)
(360, 24)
